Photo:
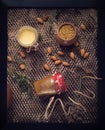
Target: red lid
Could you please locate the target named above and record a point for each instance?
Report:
(59, 83)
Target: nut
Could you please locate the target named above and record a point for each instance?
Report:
(83, 27)
(45, 18)
(40, 20)
(65, 63)
(86, 55)
(72, 55)
(46, 67)
(82, 52)
(9, 58)
(22, 54)
(60, 53)
(22, 66)
(49, 50)
(54, 58)
(57, 62)
(76, 44)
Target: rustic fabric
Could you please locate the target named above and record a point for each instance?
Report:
(31, 108)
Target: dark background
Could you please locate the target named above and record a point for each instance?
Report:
(52, 3)
(3, 60)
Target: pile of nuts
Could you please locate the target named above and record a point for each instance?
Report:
(57, 61)
(54, 58)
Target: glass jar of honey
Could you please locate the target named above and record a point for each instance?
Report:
(51, 85)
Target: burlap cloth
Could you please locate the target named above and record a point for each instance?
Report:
(31, 108)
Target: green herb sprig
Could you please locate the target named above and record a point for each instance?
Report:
(22, 80)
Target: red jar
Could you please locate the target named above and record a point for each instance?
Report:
(50, 85)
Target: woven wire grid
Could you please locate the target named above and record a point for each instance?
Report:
(27, 108)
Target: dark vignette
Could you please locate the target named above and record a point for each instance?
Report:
(3, 65)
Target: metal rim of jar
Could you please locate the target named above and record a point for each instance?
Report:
(23, 28)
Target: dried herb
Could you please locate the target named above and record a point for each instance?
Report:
(22, 80)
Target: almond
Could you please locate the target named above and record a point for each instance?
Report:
(83, 27)
(54, 58)
(60, 53)
(40, 20)
(76, 44)
(65, 63)
(72, 55)
(22, 66)
(82, 52)
(49, 50)
(86, 55)
(46, 67)
(45, 18)
(9, 58)
(57, 62)
(22, 54)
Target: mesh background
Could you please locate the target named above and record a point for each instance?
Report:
(27, 108)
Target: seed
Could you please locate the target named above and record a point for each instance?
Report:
(46, 67)
(40, 20)
(45, 18)
(9, 58)
(54, 58)
(57, 62)
(76, 44)
(72, 55)
(65, 63)
(22, 66)
(49, 50)
(86, 55)
(60, 53)
(83, 27)
(22, 54)
(82, 52)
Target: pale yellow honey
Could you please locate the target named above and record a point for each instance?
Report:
(27, 36)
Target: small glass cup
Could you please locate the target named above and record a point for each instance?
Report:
(27, 37)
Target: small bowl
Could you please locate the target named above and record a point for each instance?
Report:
(67, 34)
(25, 42)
